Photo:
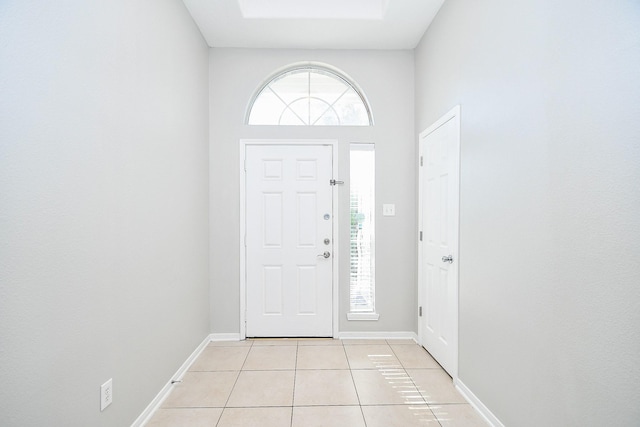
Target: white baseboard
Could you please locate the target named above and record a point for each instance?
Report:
(225, 337)
(378, 335)
(146, 415)
(341, 335)
(477, 404)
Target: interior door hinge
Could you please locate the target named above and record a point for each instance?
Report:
(421, 236)
(421, 161)
(334, 182)
(420, 311)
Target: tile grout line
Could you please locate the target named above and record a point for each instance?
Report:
(234, 384)
(364, 420)
(415, 385)
(295, 374)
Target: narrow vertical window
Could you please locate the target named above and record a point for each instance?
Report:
(362, 202)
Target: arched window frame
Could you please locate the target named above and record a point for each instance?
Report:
(311, 67)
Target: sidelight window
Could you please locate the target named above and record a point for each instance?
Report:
(362, 241)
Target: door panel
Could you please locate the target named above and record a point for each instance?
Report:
(272, 215)
(289, 289)
(272, 289)
(439, 207)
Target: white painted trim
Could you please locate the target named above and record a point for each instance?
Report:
(477, 404)
(399, 335)
(243, 241)
(336, 224)
(155, 404)
(363, 316)
(225, 337)
(336, 233)
(453, 114)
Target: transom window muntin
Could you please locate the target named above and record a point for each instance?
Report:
(309, 96)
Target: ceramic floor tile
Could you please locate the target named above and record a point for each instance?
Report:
(379, 341)
(401, 342)
(315, 383)
(255, 417)
(414, 356)
(324, 387)
(321, 357)
(458, 416)
(243, 343)
(399, 416)
(192, 417)
(264, 358)
(371, 357)
(214, 358)
(201, 390)
(327, 416)
(435, 386)
(391, 387)
(274, 341)
(318, 341)
(263, 388)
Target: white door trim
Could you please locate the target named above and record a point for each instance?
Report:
(453, 114)
(336, 256)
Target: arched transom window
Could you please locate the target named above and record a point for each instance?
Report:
(309, 96)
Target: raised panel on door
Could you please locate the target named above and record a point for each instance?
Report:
(306, 220)
(272, 215)
(307, 285)
(271, 290)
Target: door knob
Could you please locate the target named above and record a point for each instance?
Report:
(448, 258)
(326, 254)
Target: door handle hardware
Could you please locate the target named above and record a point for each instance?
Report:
(448, 258)
(335, 182)
(326, 254)
(327, 241)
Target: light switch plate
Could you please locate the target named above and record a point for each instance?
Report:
(389, 209)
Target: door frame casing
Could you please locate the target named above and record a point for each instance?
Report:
(243, 226)
(453, 114)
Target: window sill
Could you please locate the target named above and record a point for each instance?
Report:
(363, 316)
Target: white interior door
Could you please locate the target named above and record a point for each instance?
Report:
(289, 240)
(438, 250)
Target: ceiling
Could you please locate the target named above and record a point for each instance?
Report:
(313, 24)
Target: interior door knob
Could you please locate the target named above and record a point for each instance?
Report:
(448, 258)
(326, 254)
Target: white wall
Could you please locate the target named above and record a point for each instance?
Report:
(103, 206)
(386, 77)
(550, 202)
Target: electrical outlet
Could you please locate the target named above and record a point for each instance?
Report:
(106, 394)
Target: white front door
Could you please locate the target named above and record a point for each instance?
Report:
(289, 240)
(438, 250)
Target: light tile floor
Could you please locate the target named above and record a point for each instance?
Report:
(315, 383)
